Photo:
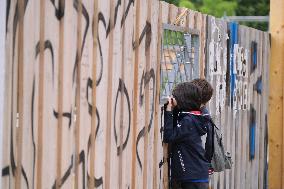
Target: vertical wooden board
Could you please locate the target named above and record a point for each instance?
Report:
(245, 103)
(275, 121)
(68, 104)
(233, 44)
(265, 69)
(212, 30)
(117, 74)
(262, 116)
(163, 174)
(201, 26)
(86, 64)
(101, 81)
(141, 118)
(228, 144)
(222, 86)
(161, 161)
(173, 14)
(9, 119)
(191, 19)
(49, 98)
(258, 105)
(244, 121)
(152, 70)
(3, 69)
(253, 173)
(31, 32)
(246, 128)
(250, 92)
(127, 67)
(17, 93)
(182, 18)
(225, 115)
(238, 109)
(135, 38)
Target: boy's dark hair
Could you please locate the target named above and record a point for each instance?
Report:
(188, 96)
(206, 89)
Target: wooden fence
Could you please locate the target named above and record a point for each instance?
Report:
(83, 89)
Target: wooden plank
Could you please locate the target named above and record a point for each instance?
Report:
(157, 29)
(20, 89)
(67, 177)
(125, 98)
(117, 79)
(60, 99)
(50, 42)
(266, 70)
(77, 92)
(109, 97)
(8, 156)
(164, 8)
(121, 79)
(275, 122)
(94, 121)
(162, 174)
(262, 117)
(3, 68)
(172, 16)
(148, 111)
(244, 120)
(86, 68)
(102, 86)
(135, 94)
(28, 149)
(40, 108)
(142, 104)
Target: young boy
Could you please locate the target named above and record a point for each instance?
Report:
(207, 92)
(184, 125)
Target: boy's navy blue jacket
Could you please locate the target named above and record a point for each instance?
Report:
(189, 159)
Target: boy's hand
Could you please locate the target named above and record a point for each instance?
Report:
(210, 171)
(171, 103)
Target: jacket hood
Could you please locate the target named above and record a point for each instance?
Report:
(202, 122)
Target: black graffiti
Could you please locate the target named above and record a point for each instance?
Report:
(147, 31)
(32, 129)
(47, 46)
(145, 80)
(16, 22)
(6, 169)
(98, 80)
(82, 160)
(66, 175)
(59, 12)
(90, 107)
(98, 181)
(7, 13)
(108, 28)
(86, 16)
(64, 114)
(122, 91)
(124, 16)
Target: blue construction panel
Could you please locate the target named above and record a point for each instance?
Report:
(233, 32)
(252, 132)
(253, 56)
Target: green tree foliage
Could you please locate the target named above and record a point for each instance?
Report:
(220, 8)
(254, 8)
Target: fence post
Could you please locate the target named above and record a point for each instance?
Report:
(276, 131)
